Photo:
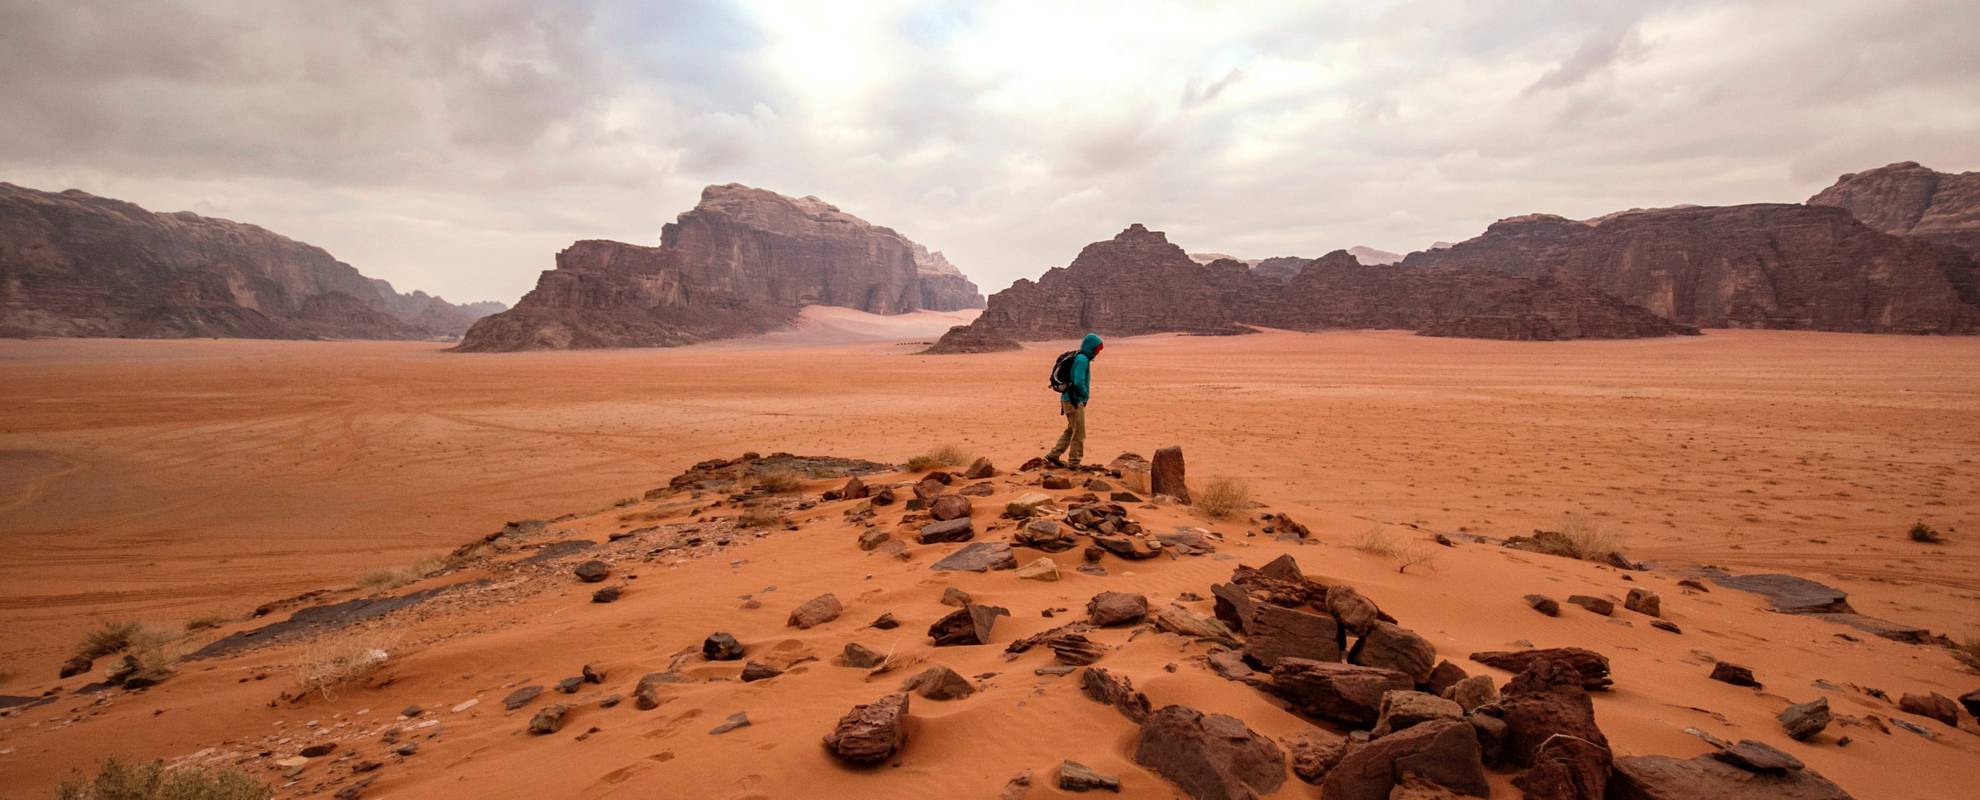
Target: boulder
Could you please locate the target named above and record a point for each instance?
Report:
(76, 665)
(1442, 677)
(1077, 777)
(1314, 753)
(1356, 613)
(978, 557)
(1803, 721)
(1402, 709)
(1443, 752)
(1728, 672)
(757, 671)
(608, 594)
(929, 487)
(1046, 535)
(979, 469)
(1114, 690)
(721, 647)
(1392, 647)
(860, 656)
(1971, 700)
(593, 571)
(1545, 701)
(1116, 608)
(950, 530)
(939, 683)
(1056, 482)
(949, 507)
(1566, 768)
(1043, 569)
(1339, 692)
(1644, 601)
(1544, 604)
(1667, 778)
(1472, 692)
(816, 611)
(521, 697)
(1595, 604)
(870, 732)
(1593, 666)
(1209, 756)
(1274, 632)
(549, 719)
(1933, 704)
(1166, 474)
(967, 625)
(855, 489)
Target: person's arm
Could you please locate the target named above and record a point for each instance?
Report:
(1083, 389)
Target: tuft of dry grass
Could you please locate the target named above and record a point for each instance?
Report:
(1921, 532)
(1375, 541)
(116, 780)
(780, 481)
(1222, 497)
(1590, 541)
(207, 621)
(395, 577)
(947, 455)
(757, 517)
(327, 664)
(113, 637)
(6, 675)
(1416, 556)
(1970, 644)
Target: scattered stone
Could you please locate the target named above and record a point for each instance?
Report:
(1667, 778)
(1443, 540)
(1402, 709)
(1133, 548)
(1056, 482)
(1077, 777)
(1596, 604)
(885, 622)
(979, 469)
(739, 719)
(855, 489)
(984, 489)
(610, 701)
(1028, 505)
(1075, 649)
(967, 625)
(1971, 700)
(1644, 601)
(1124, 497)
(1046, 535)
(1728, 672)
(1392, 647)
(1593, 666)
(355, 790)
(756, 670)
(1020, 784)
(929, 488)
(1666, 625)
(870, 732)
(608, 594)
(1211, 757)
(1183, 622)
(1340, 692)
(1443, 752)
(646, 693)
(1566, 768)
(76, 665)
(978, 557)
(721, 647)
(591, 674)
(951, 530)
(1934, 705)
(1274, 632)
(884, 496)
(1442, 677)
(412, 712)
(1107, 609)
(406, 749)
(872, 538)
(858, 655)
(593, 571)
(1544, 604)
(318, 750)
(1043, 569)
(1114, 690)
(1473, 692)
(548, 719)
(1166, 474)
(950, 507)
(569, 685)
(521, 697)
(939, 683)
(1755, 756)
(816, 611)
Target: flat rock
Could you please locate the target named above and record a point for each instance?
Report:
(1667, 778)
(1931, 704)
(1593, 666)
(739, 719)
(1393, 647)
(1789, 594)
(1114, 690)
(1598, 605)
(1274, 632)
(1341, 692)
(521, 697)
(1402, 709)
(870, 732)
(1755, 756)
(978, 557)
(1443, 752)
(1728, 672)
(951, 530)
(1077, 777)
(1209, 756)
(939, 683)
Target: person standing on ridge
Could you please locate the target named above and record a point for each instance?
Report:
(1072, 378)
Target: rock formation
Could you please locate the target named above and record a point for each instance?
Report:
(742, 261)
(1372, 256)
(1905, 198)
(74, 264)
(1753, 266)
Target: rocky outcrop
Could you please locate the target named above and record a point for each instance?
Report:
(1753, 266)
(1139, 283)
(742, 261)
(1373, 257)
(1905, 198)
(74, 264)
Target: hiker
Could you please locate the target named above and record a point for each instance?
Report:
(1072, 376)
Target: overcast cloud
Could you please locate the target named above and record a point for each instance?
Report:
(456, 146)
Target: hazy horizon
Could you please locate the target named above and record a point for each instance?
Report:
(455, 147)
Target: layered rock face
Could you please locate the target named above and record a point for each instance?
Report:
(1752, 266)
(1905, 198)
(74, 264)
(1139, 283)
(742, 261)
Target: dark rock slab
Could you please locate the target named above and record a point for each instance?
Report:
(978, 557)
(1340, 692)
(317, 620)
(870, 732)
(1593, 666)
(966, 626)
(1209, 756)
(1667, 778)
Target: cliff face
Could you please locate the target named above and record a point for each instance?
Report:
(1754, 266)
(742, 261)
(1905, 198)
(1139, 283)
(74, 264)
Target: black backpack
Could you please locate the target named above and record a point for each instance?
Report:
(1062, 371)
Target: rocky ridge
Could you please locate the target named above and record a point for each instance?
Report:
(1913, 200)
(75, 264)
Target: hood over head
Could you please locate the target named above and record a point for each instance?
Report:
(1090, 345)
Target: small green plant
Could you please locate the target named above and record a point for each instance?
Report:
(1375, 541)
(1921, 532)
(947, 455)
(1223, 497)
(116, 780)
(113, 637)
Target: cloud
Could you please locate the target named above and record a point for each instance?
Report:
(456, 145)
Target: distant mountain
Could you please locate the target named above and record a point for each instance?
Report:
(1908, 199)
(74, 264)
(1372, 256)
(742, 261)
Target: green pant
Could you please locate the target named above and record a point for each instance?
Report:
(1075, 435)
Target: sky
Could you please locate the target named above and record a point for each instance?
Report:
(455, 146)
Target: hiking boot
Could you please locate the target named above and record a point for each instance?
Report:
(1054, 461)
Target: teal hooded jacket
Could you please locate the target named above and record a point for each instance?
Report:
(1081, 388)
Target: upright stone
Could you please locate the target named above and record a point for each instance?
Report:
(1166, 476)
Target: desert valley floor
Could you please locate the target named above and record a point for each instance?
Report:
(167, 480)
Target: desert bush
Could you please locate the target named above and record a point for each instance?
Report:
(757, 517)
(113, 637)
(1374, 541)
(780, 480)
(947, 455)
(395, 577)
(1591, 542)
(1223, 497)
(327, 664)
(1970, 644)
(206, 621)
(5, 676)
(1416, 556)
(116, 780)
(1921, 532)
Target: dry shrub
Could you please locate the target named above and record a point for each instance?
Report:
(1416, 556)
(326, 664)
(116, 780)
(6, 675)
(1223, 497)
(1375, 541)
(395, 577)
(1970, 644)
(780, 481)
(1590, 541)
(207, 621)
(947, 455)
(1926, 534)
(113, 637)
(757, 517)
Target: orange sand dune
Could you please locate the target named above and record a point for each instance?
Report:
(164, 480)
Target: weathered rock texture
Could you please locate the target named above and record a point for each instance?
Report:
(74, 264)
(1909, 199)
(742, 261)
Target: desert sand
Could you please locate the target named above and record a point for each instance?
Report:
(160, 481)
